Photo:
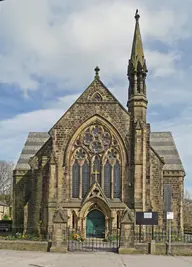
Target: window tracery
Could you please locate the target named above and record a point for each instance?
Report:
(96, 157)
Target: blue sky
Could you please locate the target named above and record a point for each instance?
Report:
(49, 49)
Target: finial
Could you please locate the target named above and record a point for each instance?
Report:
(97, 69)
(137, 16)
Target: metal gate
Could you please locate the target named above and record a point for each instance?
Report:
(78, 241)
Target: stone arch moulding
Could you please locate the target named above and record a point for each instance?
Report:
(95, 203)
(96, 96)
(95, 119)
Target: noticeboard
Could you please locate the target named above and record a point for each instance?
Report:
(146, 218)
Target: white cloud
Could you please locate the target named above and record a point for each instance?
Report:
(58, 41)
(62, 41)
(14, 131)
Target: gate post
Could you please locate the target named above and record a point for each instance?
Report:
(59, 234)
(127, 234)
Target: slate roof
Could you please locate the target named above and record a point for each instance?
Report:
(33, 143)
(163, 143)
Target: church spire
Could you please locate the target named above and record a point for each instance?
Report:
(137, 69)
(137, 54)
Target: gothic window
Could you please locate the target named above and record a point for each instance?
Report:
(85, 178)
(107, 180)
(117, 180)
(75, 179)
(97, 170)
(96, 156)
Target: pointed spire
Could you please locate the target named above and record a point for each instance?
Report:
(137, 59)
(97, 69)
(137, 72)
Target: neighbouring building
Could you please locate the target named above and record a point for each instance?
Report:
(98, 159)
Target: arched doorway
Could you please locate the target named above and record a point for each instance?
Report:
(95, 224)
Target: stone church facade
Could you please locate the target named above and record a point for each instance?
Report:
(97, 160)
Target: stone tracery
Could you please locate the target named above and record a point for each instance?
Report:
(96, 155)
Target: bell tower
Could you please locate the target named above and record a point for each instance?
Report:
(137, 106)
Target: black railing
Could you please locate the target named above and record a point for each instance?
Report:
(93, 239)
(159, 234)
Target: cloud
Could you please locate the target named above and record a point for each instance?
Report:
(14, 131)
(61, 41)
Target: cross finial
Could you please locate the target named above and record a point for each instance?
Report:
(97, 69)
(137, 16)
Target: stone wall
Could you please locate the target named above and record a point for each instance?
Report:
(177, 249)
(177, 181)
(156, 184)
(24, 245)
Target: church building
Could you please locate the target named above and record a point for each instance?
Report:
(97, 160)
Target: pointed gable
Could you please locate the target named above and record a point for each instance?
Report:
(97, 92)
(95, 191)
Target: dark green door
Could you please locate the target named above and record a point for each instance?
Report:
(95, 224)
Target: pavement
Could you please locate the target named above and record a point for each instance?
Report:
(97, 259)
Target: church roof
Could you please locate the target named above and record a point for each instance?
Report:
(163, 143)
(34, 142)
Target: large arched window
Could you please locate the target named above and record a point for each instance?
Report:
(97, 158)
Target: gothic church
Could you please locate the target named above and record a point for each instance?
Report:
(98, 159)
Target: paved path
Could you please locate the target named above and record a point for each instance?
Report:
(39, 259)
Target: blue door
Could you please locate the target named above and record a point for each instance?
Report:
(95, 224)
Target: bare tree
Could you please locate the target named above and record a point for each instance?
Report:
(6, 174)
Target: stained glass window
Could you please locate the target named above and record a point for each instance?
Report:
(97, 169)
(75, 179)
(117, 180)
(85, 178)
(96, 145)
(107, 180)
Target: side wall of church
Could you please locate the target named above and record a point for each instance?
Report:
(156, 184)
(176, 179)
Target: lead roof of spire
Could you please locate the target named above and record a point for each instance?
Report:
(137, 53)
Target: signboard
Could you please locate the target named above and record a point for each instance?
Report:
(146, 218)
(167, 197)
(147, 215)
(170, 216)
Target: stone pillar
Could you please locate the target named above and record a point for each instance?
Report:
(52, 180)
(127, 235)
(127, 232)
(59, 233)
(59, 237)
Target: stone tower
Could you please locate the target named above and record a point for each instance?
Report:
(137, 106)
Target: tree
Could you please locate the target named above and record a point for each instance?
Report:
(187, 211)
(6, 177)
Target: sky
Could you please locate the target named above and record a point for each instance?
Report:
(49, 49)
